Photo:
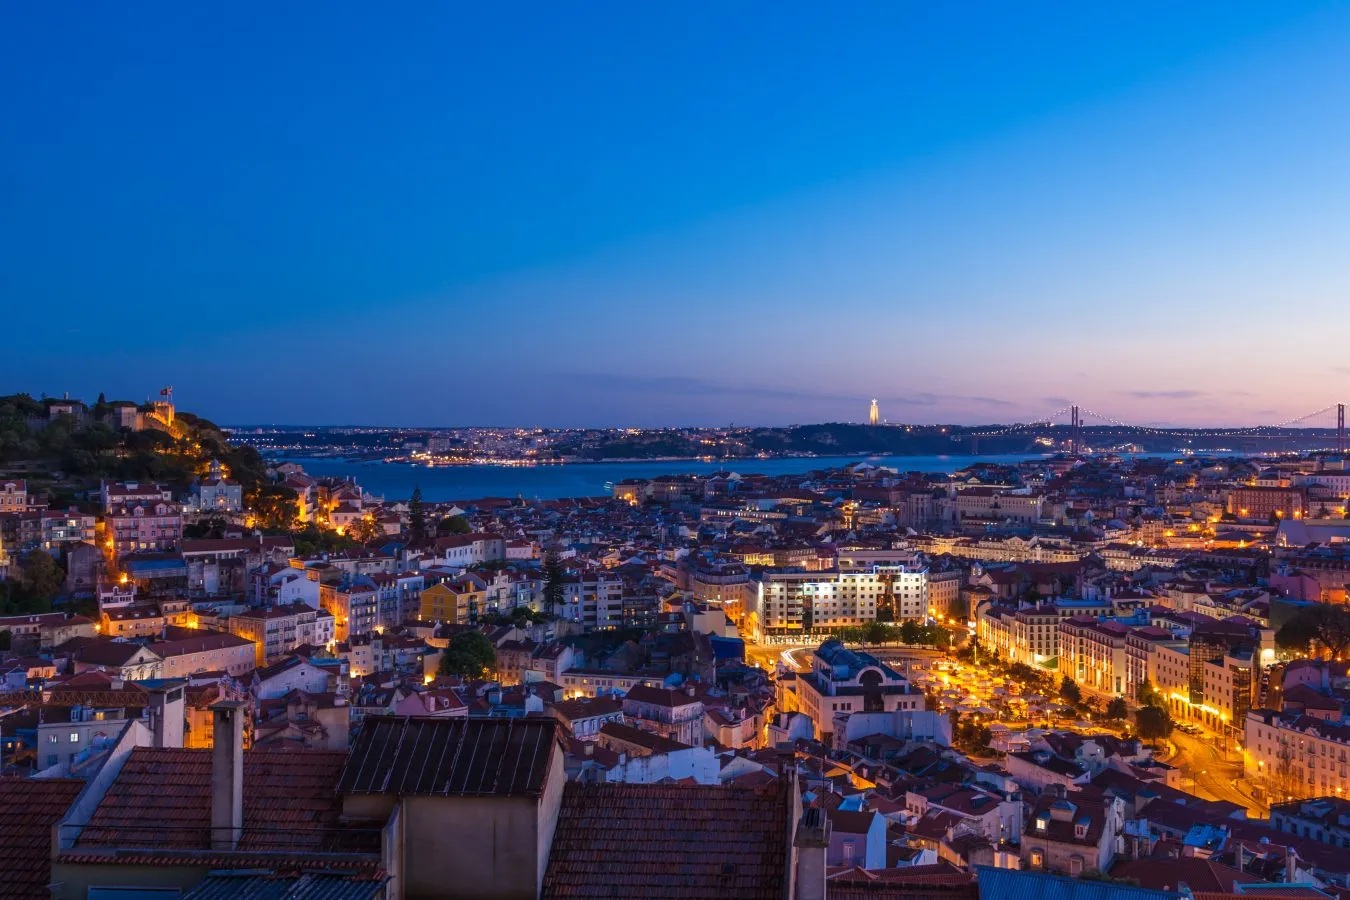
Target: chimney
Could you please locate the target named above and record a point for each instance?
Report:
(166, 715)
(810, 843)
(227, 774)
(1290, 865)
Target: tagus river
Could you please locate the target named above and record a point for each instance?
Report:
(395, 481)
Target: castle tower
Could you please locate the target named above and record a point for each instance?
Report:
(873, 414)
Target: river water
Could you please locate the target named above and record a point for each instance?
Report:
(395, 481)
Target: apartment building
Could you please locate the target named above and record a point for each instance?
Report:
(119, 493)
(277, 630)
(1263, 502)
(594, 600)
(1324, 819)
(354, 607)
(1092, 653)
(798, 603)
(1002, 505)
(46, 529)
(1294, 757)
(674, 714)
(282, 585)
(144, 526)
(453, 602)
(211, 651)
(1028, 634)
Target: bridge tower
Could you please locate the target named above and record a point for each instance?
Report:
(1340, 428)
(1075, 431)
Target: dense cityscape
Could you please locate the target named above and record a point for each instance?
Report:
(856, 681)
(638, 451)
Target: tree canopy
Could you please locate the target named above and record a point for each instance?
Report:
(469, 655)
(453, 525)
(1152, 722)
(554, 573)
(1321, 624)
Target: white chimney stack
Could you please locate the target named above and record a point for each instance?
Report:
(227, 774)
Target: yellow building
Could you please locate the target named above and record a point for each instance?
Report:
(450, 602)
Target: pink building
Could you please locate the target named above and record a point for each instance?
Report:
(144, 527)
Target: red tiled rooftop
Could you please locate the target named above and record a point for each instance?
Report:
(162, 800)
(669, 841)
(31, 806)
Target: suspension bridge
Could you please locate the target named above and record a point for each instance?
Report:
(1079, 429)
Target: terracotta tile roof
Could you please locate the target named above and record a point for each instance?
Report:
(162, 800)
(612, 732)
(669, 841)
(31, 807)
(410, 755)
(1168, 874)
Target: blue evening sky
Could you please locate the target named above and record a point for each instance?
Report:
(637, 213)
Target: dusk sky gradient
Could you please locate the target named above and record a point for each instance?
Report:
(647, 214)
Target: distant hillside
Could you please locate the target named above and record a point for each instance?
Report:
(41, 441)
(829, 439)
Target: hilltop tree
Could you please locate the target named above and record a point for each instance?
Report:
(42, 577)
(469, 655)
(274, 506)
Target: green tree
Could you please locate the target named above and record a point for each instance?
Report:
(469, 655)
(554, 573)
(417, 516)
(1152, 722)
(365, 530)
(274, 506)
(1322, 624)
(1117, 710)
(876, 633)
(1147, 694)
(1070, 692)
(453, 525)
(42, 577)
(909, 632)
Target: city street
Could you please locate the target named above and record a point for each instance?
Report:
(1206, 773)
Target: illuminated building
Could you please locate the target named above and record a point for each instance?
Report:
(798, 602)
(280, 629)
(873, 414)
(847, 681)
(1254, 503)
(1293, 757)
